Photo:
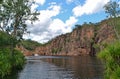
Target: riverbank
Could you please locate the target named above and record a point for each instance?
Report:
(9, 63)
(10, 58)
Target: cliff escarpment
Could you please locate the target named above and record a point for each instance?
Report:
(83, 40)
(86, 39)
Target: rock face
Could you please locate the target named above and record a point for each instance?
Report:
(84, 40)
(87, 39)
(24, 51)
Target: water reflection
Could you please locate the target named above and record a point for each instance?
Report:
(61, 67)
(83, 67)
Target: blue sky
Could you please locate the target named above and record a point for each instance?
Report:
(60, 16)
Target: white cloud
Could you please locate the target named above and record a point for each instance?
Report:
(56, 25)
(40, 2)
(36, 4)
(52, 3)
(119, 2)
(90, 7)
(47, 27)
(76, 2)
(33, 7)
(71, 21)
(69, 1)
(50, 28)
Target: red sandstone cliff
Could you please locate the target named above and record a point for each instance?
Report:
(83, 40)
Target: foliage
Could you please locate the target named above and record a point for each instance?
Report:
(18, 59)
(6, 40)
(13, 16)
(54, 50)
(30, 45)
(117, 24)
(112, 9)
(7, 63)
(111, 56)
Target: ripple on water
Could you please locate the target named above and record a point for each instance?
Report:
(57, 67)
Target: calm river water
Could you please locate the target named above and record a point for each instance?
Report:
(61, 67)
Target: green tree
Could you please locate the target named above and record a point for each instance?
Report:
(113, 11)
(14, 14)
(13, 17)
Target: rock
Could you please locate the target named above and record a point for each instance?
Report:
(83, 40)
(79, 42)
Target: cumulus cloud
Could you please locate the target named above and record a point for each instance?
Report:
(69, 1)
(43, 32)
(52, 3)
(49, 26)
(58, 27)
(90, 7)
(76, 2)
(71, 21)
(33, 7)
(40, 2)
(46, 27)
(37, 4)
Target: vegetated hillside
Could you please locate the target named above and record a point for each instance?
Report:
(28, 46)
(83, 40)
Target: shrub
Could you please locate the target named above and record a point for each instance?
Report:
(111, 56)
(7, 62)
(18, 59)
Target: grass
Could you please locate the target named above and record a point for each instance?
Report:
(7, 63)
(111, 56)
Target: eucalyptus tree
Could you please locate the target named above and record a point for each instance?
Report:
(14, 14)
(13, 17)
(113, 11)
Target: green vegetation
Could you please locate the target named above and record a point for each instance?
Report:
(56, 50)
(8, 62)
(30, 45)
(111, 57)
(7, 40)
(111, 53)
(112, 8)
(116, 23)
(13, 17)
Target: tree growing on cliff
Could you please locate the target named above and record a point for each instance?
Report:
(113, 11)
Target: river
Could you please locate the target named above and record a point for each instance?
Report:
(61, 67)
